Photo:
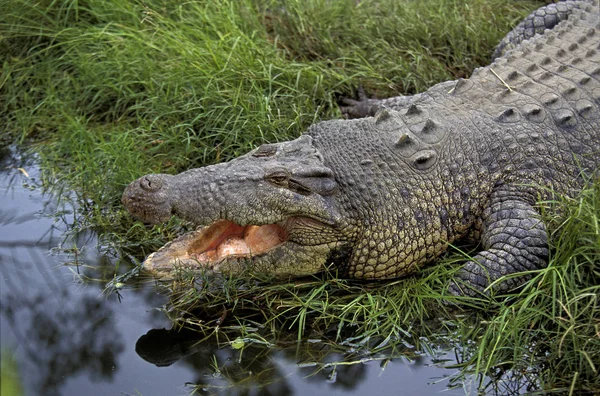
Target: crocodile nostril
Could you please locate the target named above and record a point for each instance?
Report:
(150, 183)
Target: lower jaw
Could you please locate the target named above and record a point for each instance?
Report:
(292, 260)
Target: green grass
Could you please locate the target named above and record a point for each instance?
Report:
(106, 91)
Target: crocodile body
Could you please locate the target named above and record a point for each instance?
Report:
(381, 196)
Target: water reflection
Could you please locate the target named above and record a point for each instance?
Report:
(57, 333)
(253, 369)
(259, 364)
(64, 334)
(216, 366)
(61, 339)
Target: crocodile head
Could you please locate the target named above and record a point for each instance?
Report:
(272, 210)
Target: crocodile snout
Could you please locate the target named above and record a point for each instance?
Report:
(148, 198)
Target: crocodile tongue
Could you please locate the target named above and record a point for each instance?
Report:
(207, 246)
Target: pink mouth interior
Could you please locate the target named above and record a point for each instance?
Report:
(225, 238)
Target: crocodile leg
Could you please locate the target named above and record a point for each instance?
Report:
(514, 239)
(363, 106)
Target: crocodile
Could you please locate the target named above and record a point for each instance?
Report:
(380, 196)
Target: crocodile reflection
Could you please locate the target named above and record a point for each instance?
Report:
(255, 366)
(215, 367)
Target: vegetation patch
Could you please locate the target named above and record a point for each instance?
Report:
(108, 90)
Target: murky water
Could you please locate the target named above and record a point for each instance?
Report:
(71, 338)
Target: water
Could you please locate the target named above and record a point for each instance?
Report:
(69, 337)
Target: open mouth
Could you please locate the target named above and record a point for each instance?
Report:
(225, 238)
(210, 245)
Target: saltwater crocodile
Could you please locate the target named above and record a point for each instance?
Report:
(379, 197)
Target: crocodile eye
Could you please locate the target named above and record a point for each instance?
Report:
(279, 177)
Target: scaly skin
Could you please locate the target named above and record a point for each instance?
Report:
(382, 196)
